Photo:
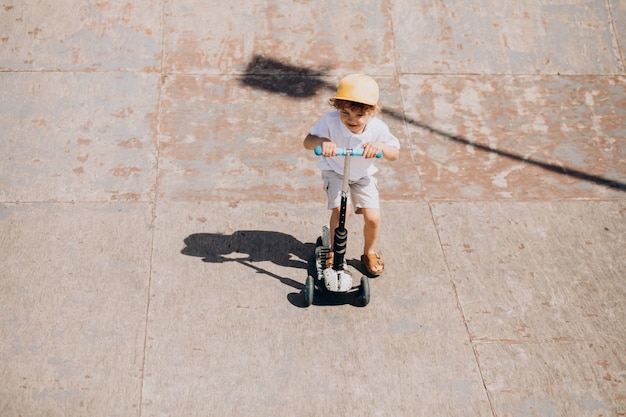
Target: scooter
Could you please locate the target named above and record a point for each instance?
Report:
(336, 279)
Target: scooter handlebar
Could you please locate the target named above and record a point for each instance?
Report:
(344, 151)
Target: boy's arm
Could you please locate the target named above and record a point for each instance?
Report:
(328, 146)
(371, 149)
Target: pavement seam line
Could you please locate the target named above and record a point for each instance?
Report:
(155, 194)
(460, 309)
(615, 39)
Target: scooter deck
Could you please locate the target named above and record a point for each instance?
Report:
(318, 283)
(321, 253)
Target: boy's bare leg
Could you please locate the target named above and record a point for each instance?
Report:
(334, 223)
(371, 229)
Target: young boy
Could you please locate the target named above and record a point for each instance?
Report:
(354, 125)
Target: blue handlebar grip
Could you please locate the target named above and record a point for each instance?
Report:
(343, 152)
(359, 152)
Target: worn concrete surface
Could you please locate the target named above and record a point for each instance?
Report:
(157, 209)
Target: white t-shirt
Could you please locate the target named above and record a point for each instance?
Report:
(331, 127)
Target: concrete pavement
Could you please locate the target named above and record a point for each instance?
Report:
(158, 211)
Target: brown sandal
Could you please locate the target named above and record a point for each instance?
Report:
(371, 261)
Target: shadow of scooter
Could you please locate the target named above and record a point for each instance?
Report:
(247, 247)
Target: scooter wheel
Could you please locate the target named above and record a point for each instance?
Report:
(364, 290)
(309, 290)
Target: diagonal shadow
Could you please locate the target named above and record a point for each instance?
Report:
(607, 182)
(246, 247)
(279, 77)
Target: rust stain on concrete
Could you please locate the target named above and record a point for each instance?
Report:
(125, 171)
(124, 113)
(126, 197)
(132, 143)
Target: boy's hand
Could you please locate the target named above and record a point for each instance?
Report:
(371, 149)
(329, 148)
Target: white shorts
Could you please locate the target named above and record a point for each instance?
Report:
(363, 192)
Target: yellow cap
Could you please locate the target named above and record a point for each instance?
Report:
(359, 88)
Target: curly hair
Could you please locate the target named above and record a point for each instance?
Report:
(354, 106)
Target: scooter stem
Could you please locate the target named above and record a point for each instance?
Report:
(341, 234)
(345, 188)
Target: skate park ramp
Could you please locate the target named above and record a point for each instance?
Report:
(158, 213)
